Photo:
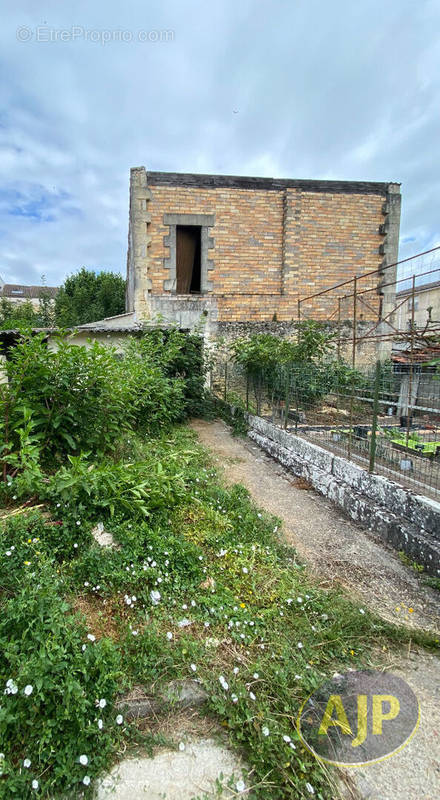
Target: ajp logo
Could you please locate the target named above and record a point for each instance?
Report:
(358, 718)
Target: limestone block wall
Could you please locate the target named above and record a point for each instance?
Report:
(406, 521)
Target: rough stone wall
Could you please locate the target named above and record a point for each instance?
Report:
(271, 243)
(406, 521)
(366, 349)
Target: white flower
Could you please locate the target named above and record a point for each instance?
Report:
(8, 553)
(91, 637)
(193, 667)
(298, 677)
(11, 687)
(324, 617)
(100, 724)
(265, 730)
(181, 746)
(83, 760)
(299, 599)
(102, 703)
(28, 690)
(27, 762)
(240, 785)
(119, 719)
(135, 633)
(78, 522)
(287, 738)
(252, 696)
(234, 698)
(224, 683)
(75, 545)
(310, 788)
(84, 647)
(169, 636)
(236, 670)
(86, 780)
(154, 597)
(292, 745)
(361, 611)
(245, 570)
(300, 645)
(35, 784)
(256, 675)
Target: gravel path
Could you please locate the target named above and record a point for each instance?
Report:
(339, 551)
(335, 548)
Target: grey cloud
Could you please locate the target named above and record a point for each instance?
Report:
(341, 89)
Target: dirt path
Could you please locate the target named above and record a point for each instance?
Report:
(337, 550)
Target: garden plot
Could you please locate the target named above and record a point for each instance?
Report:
(194, 582)
(200, 586)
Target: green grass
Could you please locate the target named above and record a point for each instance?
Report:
(261, 637)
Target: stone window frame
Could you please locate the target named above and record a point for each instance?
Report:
(203, 221)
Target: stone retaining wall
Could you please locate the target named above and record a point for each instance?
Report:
(408, 522)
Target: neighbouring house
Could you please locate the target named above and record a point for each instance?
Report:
(242, 250)
(19, 293)
(426, 312)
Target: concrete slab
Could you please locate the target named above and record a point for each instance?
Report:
(174, 775)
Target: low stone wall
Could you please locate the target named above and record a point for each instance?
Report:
(407, 521)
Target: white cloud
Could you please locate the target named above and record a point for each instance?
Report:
(343, 90)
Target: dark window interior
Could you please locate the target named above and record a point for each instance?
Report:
(188, 249)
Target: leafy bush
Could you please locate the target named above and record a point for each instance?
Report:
(131, 488)
(302, 369)
(81, 399)
(50, 670)
(74, 397)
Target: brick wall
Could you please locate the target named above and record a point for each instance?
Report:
(274, 241)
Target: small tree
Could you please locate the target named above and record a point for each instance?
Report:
(17, 315)
(87, 297)
(267, 359)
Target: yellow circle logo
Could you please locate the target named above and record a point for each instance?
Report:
(358, 718)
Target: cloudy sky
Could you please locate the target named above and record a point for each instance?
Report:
(322, 89)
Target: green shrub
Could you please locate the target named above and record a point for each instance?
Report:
(304, 369)
(51, 671)
(82, 399)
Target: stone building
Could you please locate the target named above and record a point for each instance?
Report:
(242, 250)
(426, 312)
(20, 293)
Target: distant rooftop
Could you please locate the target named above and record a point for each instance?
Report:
(420, 287)
(17, 290)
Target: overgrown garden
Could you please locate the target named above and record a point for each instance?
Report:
(199, 584)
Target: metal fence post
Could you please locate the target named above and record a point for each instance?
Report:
(353, 363)
(411, 366)
(226, 381)
(375, 415)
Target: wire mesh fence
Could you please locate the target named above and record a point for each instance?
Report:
(386, 419)
(375, 398)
